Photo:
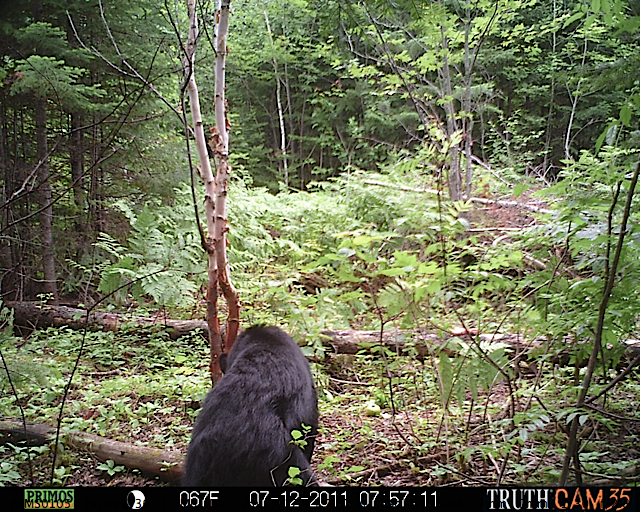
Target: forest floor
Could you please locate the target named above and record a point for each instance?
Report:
(410, 442)
(406, 450)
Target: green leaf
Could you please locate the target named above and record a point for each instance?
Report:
(607, 135)
(625, 115)
(404, 259)
(346, 252)
(519, 189)
(293, 471)
(573, 18)
(363, 240)
(446, 375)
(393, 272)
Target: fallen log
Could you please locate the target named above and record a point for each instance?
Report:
(34, 315)
(152, 461)
(421, 343)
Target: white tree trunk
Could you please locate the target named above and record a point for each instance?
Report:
(215, 187)
(283, 135)
(223, 169)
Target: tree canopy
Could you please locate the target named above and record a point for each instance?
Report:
(316, 90)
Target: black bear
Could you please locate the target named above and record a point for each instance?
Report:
(242, 436)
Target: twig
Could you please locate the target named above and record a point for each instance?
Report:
(611, 384)
(496, 228)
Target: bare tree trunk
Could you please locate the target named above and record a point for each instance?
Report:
(552, 97)
(291, 143)
(12, 244)
(223, 170)
(547, 141)
(76, 160)
(46, 215)
(466, 108)
(283, 137)
(96, 199)
(216, 188)
(574, 105)
(454, 177)
(210, 192)
(7, 271)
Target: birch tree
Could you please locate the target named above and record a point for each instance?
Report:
(216, 187)
(283, 138)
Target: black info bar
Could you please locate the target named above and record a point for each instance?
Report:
(611, 499)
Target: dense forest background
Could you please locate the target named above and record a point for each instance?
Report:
(456, 167)
(90, 94)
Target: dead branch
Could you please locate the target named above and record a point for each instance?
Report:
(479, 200)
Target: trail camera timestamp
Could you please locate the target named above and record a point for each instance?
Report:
(294, 499)
(370, 499)
(400, 498)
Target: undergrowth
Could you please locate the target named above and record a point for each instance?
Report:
(488, 399)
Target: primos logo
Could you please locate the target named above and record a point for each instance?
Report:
(48, 498)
